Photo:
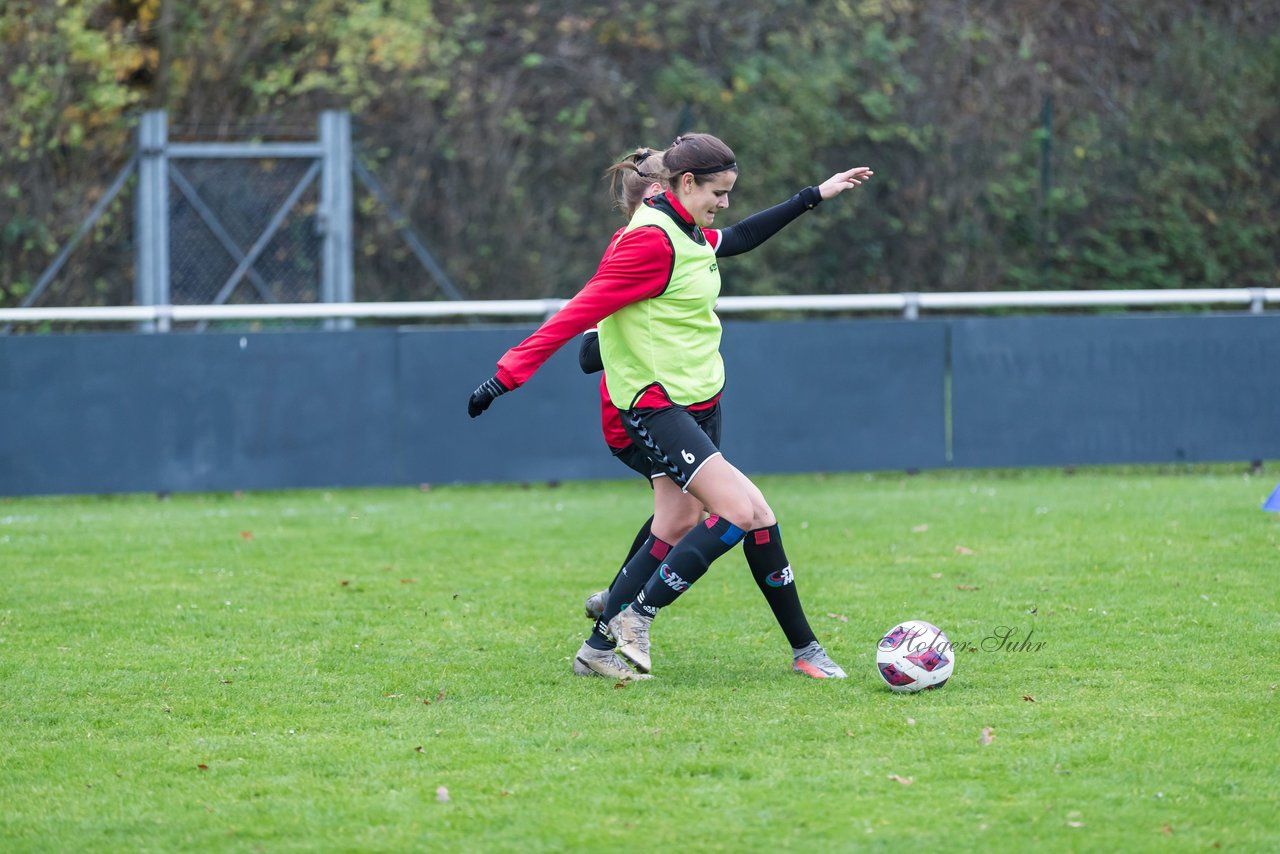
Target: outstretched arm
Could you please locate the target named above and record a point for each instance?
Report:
(760, 226)
(638, 267)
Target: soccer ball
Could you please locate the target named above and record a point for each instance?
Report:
(914, 655)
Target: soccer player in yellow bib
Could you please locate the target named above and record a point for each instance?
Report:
(653, 301)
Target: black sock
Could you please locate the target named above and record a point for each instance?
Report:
(634, 573)
(642, 537)
(772, 572)
(687, 562)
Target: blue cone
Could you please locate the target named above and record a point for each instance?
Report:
(1273, 503)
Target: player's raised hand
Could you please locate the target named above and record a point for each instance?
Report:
(485, 394)
(841, 181)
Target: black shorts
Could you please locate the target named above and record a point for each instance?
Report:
(636, 460)
(676, 440)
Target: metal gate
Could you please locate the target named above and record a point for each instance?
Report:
(223, 222)
(244, 222)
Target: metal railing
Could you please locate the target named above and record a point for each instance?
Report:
(909, 305)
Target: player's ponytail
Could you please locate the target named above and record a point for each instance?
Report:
(631, 176)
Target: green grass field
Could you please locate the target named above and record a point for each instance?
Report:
(389, 670)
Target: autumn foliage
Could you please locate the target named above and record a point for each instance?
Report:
(1017, 145)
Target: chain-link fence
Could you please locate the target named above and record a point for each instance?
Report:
(191, 223)
(221, 210)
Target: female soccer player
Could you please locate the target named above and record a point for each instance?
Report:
(636, 178)
(653, 298)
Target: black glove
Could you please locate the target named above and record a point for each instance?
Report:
(589, 353)
(485, 395)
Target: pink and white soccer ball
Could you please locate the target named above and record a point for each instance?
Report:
(914, 655)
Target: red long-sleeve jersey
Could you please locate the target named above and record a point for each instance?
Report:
(636, 266)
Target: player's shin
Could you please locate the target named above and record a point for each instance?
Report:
(627, 585)
(773, 575)
(687, 562)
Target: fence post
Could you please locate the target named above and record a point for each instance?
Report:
(334, 218)
(1257, 300)
(151, 217)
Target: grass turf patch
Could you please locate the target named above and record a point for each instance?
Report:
(390, 670)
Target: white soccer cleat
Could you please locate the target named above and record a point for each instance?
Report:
(814, 661)
(594, 606)
(603, 662)
(631, 630)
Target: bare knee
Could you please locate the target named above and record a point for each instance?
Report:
(762, 516)
(676, 522)
(675, 512)
(687, 518)
(727, 493)
(738, 510)
(746, 507)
